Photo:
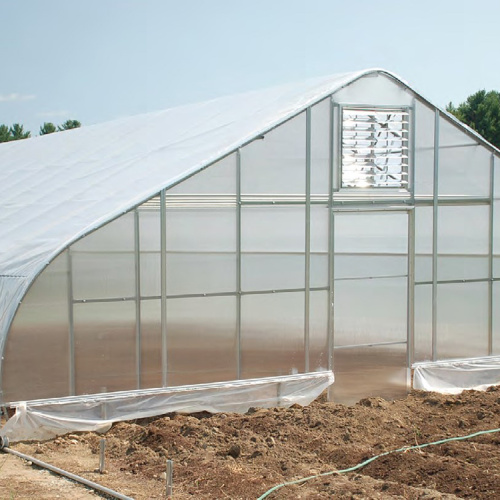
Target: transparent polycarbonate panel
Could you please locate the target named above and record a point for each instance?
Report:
(319, 223)
(272, 271)
(150, 257)
(496, 318)
(424, 149)
(320, 148)
(201, 250)
(149, 230)
(370, 245)
(103, 263)
(370, 311)
(319, 302)
(272, 334)
(118, 235)
(151, 372)
(201, 340)
(219, 178)
(362, 372)
(375, 90)
(463, 242)
(276, 163)
(273, 247)
(105, 347)
(464, 165)
(103, 275)
(36, 357)
(462, 316)
(423, 243)
(496, 238)
(423, 323)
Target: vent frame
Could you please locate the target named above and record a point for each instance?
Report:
(390, 153)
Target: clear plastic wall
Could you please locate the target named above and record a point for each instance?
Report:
(261, 265)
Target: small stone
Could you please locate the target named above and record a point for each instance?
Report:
(234, 451)
(270, 441)
(163, 476)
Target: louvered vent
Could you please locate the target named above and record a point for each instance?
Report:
(375, 148)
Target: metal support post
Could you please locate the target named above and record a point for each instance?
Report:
(138, 333)
(71, 328)
(163, 267)
(238, 264)
(410, 340)
(435, 236)
(307, 274)
(490, 256)
(331, 239)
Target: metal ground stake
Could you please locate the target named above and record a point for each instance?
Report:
(102, 465)
(169, 478)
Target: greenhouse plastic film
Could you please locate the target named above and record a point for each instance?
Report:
(46, 419)
(454, 376)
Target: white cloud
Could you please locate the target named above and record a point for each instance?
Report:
(16, 97)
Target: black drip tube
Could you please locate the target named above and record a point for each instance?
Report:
(4, 446)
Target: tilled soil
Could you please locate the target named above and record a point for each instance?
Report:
(242, 456)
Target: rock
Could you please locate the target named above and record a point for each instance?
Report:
(234, 451)
(270, 441)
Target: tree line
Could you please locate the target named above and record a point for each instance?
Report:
(481, 111)
(16, 131)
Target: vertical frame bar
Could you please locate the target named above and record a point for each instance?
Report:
(435, 236)
(307, 276)
(490, 256)
(334, 113)
(238, 264)
(336, 146)
(410, 318)
(411, 155)
(71, 328)
(138, 333)
(163, 266)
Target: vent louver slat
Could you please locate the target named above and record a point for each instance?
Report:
(375, 148)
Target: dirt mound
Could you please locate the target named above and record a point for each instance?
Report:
(242, 456)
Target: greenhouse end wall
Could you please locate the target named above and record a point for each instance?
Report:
(272, 261)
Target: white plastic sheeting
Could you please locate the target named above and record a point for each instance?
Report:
(41, 420)
(454, 376)
(58, 187)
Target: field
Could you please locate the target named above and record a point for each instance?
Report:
(242, 456)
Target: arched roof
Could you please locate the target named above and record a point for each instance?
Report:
(58, 187)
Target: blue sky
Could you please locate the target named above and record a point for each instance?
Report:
(97, 60)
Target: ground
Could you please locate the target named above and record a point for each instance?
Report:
(242, 456)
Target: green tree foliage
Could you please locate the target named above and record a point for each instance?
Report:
(17, 132)
(48, 128)
(481, 111)
(69, 124)
(14, 133)
(4, 133)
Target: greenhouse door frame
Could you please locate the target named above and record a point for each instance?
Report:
(345, 211)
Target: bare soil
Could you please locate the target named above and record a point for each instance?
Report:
(241, 456)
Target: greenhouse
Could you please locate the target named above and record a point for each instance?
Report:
(252, 250)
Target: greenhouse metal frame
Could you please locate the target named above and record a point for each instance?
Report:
(341, 227)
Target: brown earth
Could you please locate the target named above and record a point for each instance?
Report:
(241, 456)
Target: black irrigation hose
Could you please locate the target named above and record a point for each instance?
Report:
(90, 484)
